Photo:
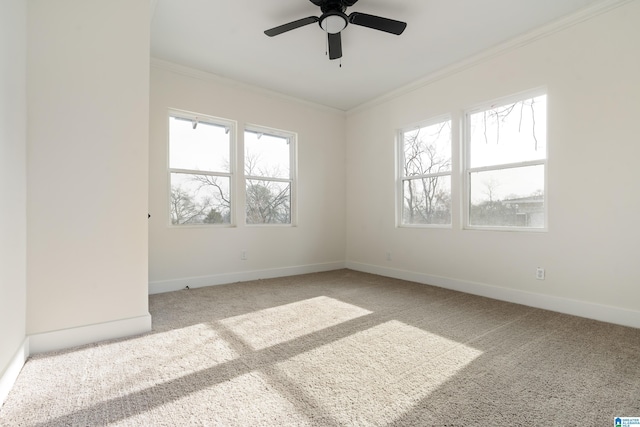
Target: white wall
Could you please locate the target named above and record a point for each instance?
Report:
(591, 250)
(88, 94)
(13, 188)
(204, 256)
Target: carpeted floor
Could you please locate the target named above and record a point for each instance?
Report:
(334, 349)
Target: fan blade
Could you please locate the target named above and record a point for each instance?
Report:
(335, 46)
(377, 23)
(318, 2)
(291, 26)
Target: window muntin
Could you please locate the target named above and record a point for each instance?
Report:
(425, 174)
(200, 169)
(506, 157)
(269, 176)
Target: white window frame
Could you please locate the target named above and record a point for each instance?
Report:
(468, 171)
(292, 137)
(231, 175)
(401, 178)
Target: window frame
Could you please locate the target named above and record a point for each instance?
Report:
(292, 138)
(467, 170)
(231, 174)
(401, 178)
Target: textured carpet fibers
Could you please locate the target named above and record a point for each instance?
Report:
(333, 349)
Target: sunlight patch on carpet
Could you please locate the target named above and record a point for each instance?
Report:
(246, 400)
(107, 378)
(271, 326)
(375, 376)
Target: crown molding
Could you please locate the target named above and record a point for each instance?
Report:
(513, 44)
(211, 77)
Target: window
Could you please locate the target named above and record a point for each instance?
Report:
(269, 173)
(200, 169)
(506, 149)
(425, 174)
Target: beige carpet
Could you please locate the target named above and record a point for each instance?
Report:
(334, 349)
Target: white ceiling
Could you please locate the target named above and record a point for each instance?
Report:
(226, 38)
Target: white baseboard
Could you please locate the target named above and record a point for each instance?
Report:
(589, 310)
(72, 337)
(162, 286)
(10, 375)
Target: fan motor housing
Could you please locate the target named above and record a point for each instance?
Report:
(335, 5)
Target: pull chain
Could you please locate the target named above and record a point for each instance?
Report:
(326, 43)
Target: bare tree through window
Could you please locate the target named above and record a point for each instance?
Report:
(426, 174)
(269, 177)
(506, 164)
(200, 169)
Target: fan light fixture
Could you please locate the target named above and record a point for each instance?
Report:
(333, 23)
(333, 20)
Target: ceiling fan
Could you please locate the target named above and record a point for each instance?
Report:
(333, 20)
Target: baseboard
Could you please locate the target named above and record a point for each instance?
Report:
(10, 375)
(162, 286)
(589, 310)
(72, 337)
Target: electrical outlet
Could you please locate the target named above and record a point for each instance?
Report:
(540, 273)
(388, 256)
(243, 255)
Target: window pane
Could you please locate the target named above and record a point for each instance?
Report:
(266, 155)
(509, 134)
(199, 199)
(508, 197)
(205, 148)
(268, 202)
(427, 150)
(427, 200)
